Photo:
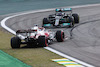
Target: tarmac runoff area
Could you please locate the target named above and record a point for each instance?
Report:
(78, 47)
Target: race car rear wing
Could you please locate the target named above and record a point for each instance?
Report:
(25, 31)
(21, 31)
(63, 9)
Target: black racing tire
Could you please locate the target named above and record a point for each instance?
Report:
(71, 21)
(45, 21)
(15, 42)
(76, 17)
(50, 16)
(42, 41)
(60, 36)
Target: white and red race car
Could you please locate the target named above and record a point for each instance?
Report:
(37, 36)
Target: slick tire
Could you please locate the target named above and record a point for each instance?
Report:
(60, 36)
(76, 18)
(42, 41)
(71, 21)
(45, 21)
(15, 42)
(50, 16)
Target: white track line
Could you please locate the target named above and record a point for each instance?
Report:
(48, 48)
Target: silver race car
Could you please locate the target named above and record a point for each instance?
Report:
(36, 36)
(63, 17)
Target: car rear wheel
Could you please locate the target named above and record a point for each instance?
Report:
(60, 36)
(15, 42)
(76, 18)
(42, 41)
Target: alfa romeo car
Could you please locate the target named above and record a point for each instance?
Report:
(36, 36)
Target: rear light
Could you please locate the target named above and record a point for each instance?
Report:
(34, 30)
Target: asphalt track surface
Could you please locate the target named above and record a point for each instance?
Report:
(85, 42)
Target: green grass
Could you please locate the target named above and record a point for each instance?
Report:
(35, 57)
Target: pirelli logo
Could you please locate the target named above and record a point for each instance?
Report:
(67, 62)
